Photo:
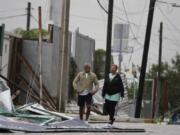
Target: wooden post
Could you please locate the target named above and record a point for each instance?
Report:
(154, 93)
(63, 62)
(40, 53)
(165, 97)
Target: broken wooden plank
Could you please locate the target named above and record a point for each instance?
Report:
(30, 69)
(18, 87)
(14, 96)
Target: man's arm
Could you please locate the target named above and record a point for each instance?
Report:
(75, 82)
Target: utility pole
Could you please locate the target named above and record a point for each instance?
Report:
(109, 39)
(160, 48)
(144, 59)
(159, 70)
(63, 62)
(40, 53)
(165, 98)
(28, 16)
(154, 93)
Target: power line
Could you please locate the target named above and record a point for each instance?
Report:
(172, 33)
(168, 20)
(12, 10)
(88, 18)
(164, 2)
(13, 16)
(132, 13)
(141, 19)
(101, 6)
(130, 24)
(34, 18)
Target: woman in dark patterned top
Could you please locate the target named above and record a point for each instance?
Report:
(113, 91)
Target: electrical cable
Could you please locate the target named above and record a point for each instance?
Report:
(12, 10)
(130, 24)
(101, 6)
(169, 20)
(34, 18)
(172, 24)
(13, 16)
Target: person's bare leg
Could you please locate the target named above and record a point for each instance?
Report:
(81, 112)
(88, 112)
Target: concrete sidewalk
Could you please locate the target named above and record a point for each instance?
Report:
(151, 129)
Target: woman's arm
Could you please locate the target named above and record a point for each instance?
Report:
(121, 86)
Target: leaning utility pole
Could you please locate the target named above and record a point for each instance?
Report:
(28, 16)
(144, 59)
(109, 39)
(63, 64)
(40, 53)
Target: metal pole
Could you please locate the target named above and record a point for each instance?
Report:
(28, 16)
(40, 53)
(144, 59)
(109, 39)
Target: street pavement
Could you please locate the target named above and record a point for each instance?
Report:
(151, 129)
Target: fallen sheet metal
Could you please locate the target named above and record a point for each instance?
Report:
(5, 102)
(62, 127)
(20, 126)
(28, 108)
(6, 105)
(75, 123)
(57, 114)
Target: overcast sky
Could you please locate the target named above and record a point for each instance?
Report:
(91, 20)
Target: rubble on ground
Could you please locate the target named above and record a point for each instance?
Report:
(34, 118)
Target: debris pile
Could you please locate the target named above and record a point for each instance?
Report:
(34, 118)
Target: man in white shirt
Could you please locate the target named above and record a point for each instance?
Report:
(83, 85)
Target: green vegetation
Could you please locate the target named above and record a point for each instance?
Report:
(32, 34)
(170, 73)
(72, 74)
(99, 63)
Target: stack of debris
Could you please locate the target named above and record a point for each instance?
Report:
(35, 118)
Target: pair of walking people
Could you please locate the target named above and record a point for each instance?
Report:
(112, 91)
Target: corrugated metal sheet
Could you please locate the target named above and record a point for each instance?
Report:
(50, 59)
(83, 50)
